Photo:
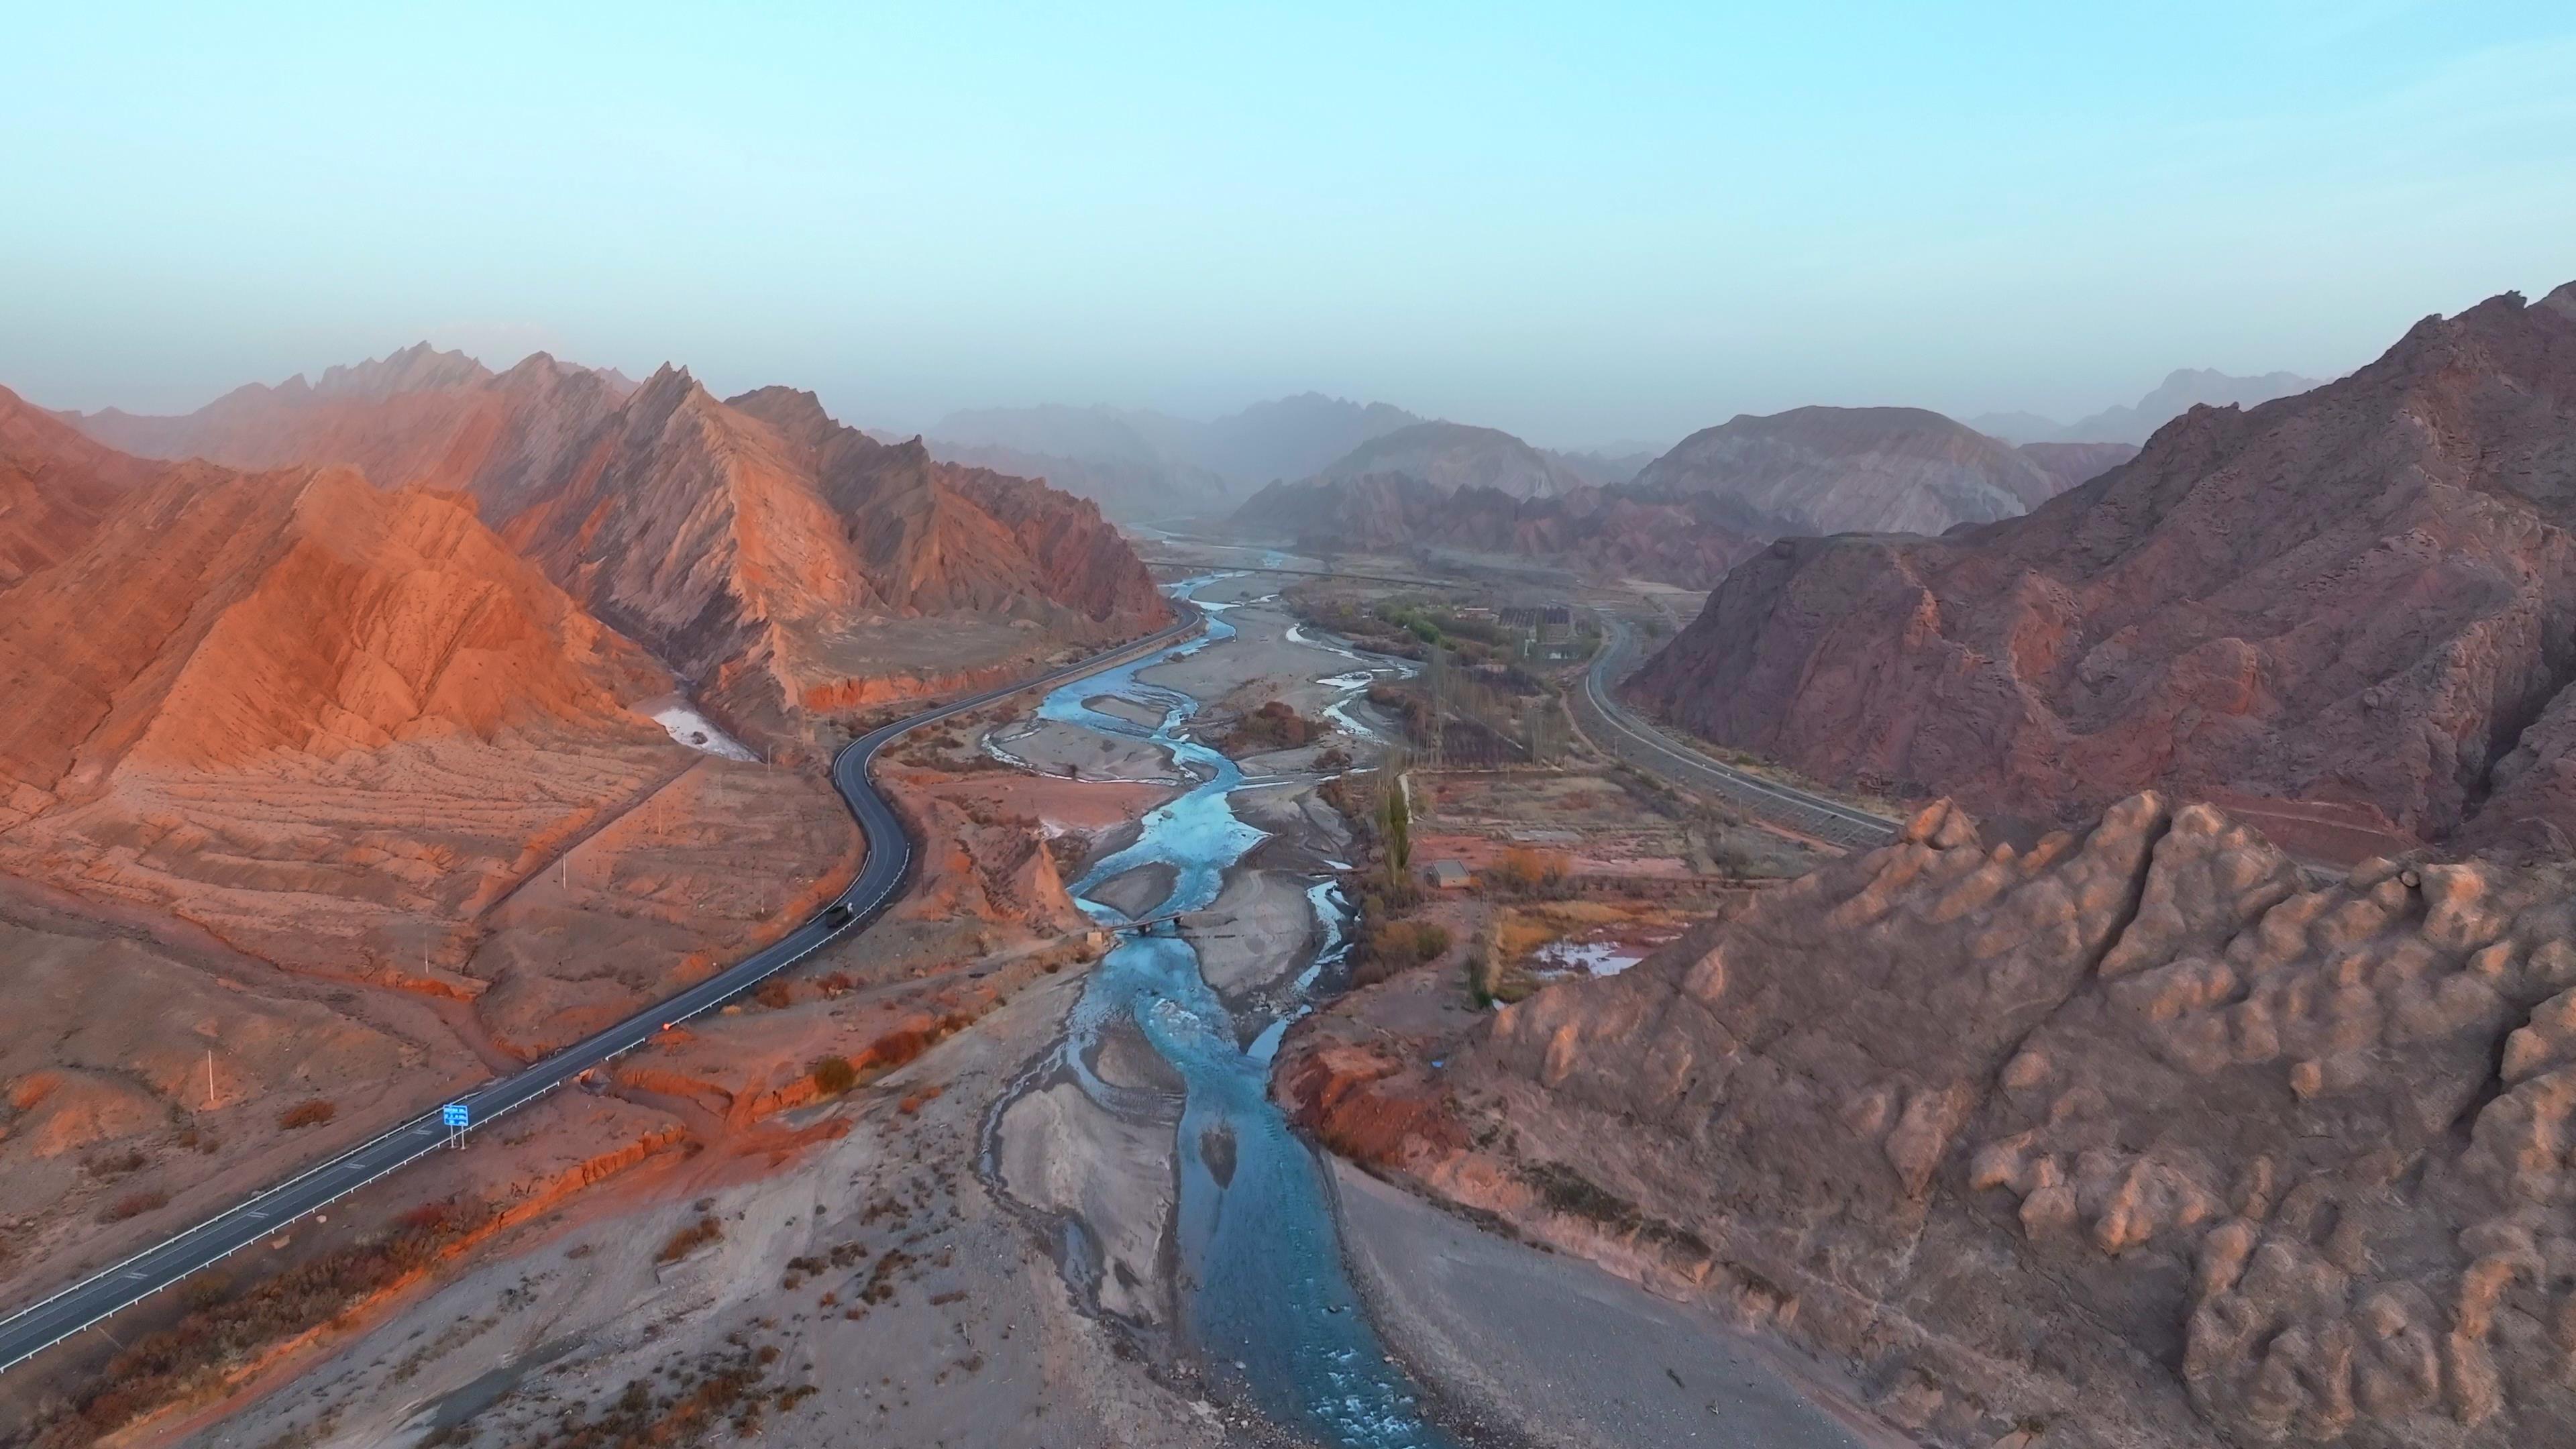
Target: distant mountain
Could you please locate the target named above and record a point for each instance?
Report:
(1451, 456)
(1293, 437)
(1140, 463)
(2180, 392)
(2352, 608)
(1605, 468)
(1716, 498)
(1818, 470)
(1609, 531)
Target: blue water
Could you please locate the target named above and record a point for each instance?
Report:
(1264, 1299)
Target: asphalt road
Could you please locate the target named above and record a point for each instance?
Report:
(41, 1325)
(1615, 729)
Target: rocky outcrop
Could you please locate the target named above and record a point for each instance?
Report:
(2362, 596)
(1821, 470)
(2140, 1136)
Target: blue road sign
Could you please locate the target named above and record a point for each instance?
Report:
(453, 1114)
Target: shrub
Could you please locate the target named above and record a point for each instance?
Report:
(775, 993)
(689, 1239)
(835, 1075)
(1525, 871)
(307, 1114)
(133, 1204)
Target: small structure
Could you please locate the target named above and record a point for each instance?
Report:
(1450, 875)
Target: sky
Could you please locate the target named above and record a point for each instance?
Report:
(1586, 223)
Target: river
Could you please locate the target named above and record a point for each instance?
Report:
(1264, 1301)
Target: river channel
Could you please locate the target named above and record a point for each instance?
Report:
(1264, 1303)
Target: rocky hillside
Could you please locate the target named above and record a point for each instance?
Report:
(55, 486)
(330, 780)
(2361, 598)
(218, 617)
(2140, 1137)
(1820, 470)
(2068, 464)
(763, 550)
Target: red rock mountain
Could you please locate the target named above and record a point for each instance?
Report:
(2362, 598)
(760, 548)
(55, 485)
(216, 617)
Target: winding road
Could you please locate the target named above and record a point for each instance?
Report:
(1611, 726)
(881, 877)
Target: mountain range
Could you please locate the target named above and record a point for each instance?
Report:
(2180, 392)
(780, 561)
(1684, 518)
(2350, 614)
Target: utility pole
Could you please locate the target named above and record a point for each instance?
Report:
(210, 1079)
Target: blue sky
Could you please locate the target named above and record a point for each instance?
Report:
(1580, 222)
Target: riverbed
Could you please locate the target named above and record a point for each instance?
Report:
(1259, 1303)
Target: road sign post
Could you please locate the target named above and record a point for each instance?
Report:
(457, 1118)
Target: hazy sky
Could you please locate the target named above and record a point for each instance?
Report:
(1581, 222)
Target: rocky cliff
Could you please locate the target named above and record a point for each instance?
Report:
(2358, 599)
(2143, 1136)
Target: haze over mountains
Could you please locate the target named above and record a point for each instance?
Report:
(2180, 392)
(2361, 599)
(1682, 518)
(1139, 461)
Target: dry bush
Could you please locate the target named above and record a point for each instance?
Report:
(689, 1239)
(1526, 870)
(133, 1204)
(169, 1365)
(308, 1114)
(834, 1075)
